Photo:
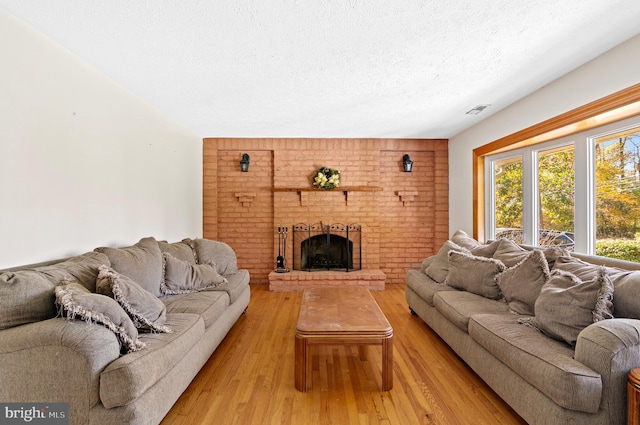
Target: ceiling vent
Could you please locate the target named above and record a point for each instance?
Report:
(477, 109)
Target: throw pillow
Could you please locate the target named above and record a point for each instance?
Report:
(141, 262)
(474, 274)
(486, 250)
(146, 311)
(181, 277)
(462, 239)
(76, 301)
(521, 284)
(25, 297)
(215, 252)
(439, 266)
(567, 305)
(509, 252)
(552, 253)
(587, 271)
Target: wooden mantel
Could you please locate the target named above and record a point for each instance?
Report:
(335, 189)
(304, 192)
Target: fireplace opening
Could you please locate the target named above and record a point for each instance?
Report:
(334, 247)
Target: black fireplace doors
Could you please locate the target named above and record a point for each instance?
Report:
(327, 247)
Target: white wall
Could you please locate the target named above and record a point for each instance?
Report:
(83, 162)
(615, 70)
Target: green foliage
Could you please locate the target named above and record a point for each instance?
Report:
(617, 188)
(508, 195)
(617, 192)
(556, 190)
(623, 249)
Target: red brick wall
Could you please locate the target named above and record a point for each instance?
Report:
(402, 223)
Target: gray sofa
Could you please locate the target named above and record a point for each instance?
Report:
(118, 333)
(554, 339)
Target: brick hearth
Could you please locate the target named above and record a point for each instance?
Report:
(404, 216)
(295, 280)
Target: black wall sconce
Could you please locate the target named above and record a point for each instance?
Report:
(244, 163)
(407, 163)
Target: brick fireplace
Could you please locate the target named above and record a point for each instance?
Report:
(403, 216)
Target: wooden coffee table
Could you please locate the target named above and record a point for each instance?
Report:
(341, 316)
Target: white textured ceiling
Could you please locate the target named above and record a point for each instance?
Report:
(331, 68)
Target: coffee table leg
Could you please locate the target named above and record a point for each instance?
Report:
(301, 363)
(387, 363)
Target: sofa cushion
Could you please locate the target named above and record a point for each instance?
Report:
(209, 304)
(567, 305)
(459, 306)
(626, 288)
(237, 283)
(545, 363)
(128, 377)
(521, 284)
(181, 250)
(181, 277)
(426, 263)
(474, 274)
(424, 286)
(81, 268)
(439, 266)
(144, 308)
(76, 301)
(141, 262)
(25, 297)
(218, 253)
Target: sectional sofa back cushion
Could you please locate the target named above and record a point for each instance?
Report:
(82, 268)
(215, 252)
(25, 297)
(141, 262)
(181, 250)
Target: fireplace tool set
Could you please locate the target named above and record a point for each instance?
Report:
(282, 250)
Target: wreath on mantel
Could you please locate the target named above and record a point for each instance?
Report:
(326, 178)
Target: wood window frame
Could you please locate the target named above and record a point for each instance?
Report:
(614, 107)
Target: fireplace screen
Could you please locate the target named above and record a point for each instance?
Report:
(327, 247)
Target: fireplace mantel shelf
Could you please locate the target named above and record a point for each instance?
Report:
(337, 189)
(304, 192)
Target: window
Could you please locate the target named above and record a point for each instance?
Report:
(507, 189)
(617, 192)
(581, 192)
(556, 196)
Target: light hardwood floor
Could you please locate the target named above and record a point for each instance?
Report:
(250, 377)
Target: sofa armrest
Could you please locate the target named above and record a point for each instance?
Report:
(55, 360)
(612, 348)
